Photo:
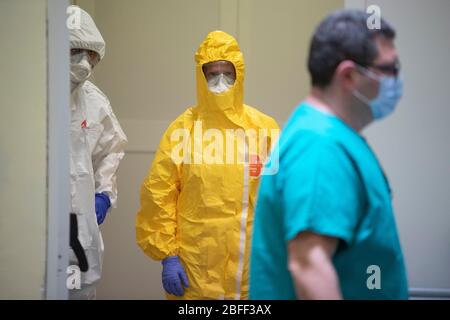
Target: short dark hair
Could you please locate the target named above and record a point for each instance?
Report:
(343, 35)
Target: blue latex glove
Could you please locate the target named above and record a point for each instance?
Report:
(102, 204)
(173, 276)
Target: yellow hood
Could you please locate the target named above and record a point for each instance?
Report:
(227, 106)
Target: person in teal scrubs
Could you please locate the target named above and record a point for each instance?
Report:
(324, 225)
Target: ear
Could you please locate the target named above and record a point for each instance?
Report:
(346, 75)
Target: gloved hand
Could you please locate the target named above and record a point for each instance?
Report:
(102, 204)
(173, 276)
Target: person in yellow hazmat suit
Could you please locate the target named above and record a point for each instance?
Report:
(198, 199)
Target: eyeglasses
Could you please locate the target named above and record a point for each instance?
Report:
(391, 68)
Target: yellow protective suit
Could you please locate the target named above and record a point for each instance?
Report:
(202, 209)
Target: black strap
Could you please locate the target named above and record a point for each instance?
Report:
(76, 245)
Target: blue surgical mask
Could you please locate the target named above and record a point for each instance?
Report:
(389, 94)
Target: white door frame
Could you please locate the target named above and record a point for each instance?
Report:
(58, 151)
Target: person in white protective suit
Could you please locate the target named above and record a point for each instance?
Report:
(97, 146)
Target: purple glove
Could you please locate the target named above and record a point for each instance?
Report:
(102, 204)
(173, 276)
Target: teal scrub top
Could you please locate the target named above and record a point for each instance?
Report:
(329, 182)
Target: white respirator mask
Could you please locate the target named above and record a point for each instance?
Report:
(220, 83)
(80, 68)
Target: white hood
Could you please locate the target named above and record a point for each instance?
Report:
(87, 36)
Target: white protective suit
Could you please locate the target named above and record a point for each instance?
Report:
(97, 146)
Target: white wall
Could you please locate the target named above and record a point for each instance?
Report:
(23, 130)
(275, 37)
(413, 144)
